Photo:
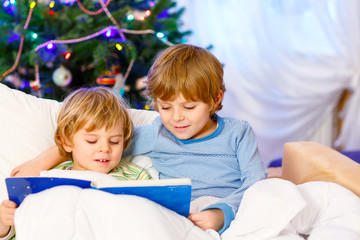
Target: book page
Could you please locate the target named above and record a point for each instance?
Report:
(139, 183)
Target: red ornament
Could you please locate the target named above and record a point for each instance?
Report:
(35, 85)
(106, 80)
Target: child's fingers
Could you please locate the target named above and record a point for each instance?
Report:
(208, 219)
(7, 213)
(193, 216)
(10, 204)
(14, 171)
(196, 218)
(9, 220)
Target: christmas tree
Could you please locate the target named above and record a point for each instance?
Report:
(50, 46)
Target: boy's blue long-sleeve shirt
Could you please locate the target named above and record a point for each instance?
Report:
(223, 164)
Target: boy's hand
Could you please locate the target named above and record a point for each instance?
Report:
(7, 213)
(44, 161)
(28, 168)
(208, 219)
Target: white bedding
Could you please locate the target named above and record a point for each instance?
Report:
(278, 209)
(271, 209)
(69, 212)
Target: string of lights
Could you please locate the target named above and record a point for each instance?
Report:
(36, 85)
(17, 59)
(91, 12)
(117, 24)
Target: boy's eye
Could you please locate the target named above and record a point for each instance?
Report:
(165, 108)
(91, 141)
(114, 142)
(189, 106)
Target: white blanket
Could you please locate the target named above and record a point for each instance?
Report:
(271, 209)
(69, 212)
(278, 209)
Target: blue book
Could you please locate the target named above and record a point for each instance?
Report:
(174, 194)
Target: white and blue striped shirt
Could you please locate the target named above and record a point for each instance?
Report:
(223, 164)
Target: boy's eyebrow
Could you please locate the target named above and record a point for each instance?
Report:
(117, 135)
(164, 102)
(94, 134)
(169, 102)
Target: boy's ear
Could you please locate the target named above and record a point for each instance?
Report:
(66, 147)
(219, 98)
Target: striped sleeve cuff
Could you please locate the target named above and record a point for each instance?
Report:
(10, 235)
(229, 214)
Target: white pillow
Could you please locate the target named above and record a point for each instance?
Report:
(27, 126)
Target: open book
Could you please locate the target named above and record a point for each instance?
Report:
(174, 194)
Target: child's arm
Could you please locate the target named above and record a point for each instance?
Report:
(44, 161)
(208, 219)
(7, 212)
(252, 170)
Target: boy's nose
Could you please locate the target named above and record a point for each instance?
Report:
(104, 147)
(178, 116)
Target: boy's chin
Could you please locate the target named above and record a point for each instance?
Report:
(182, 136)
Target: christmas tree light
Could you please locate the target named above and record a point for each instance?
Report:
(67, 55)
(52, 4)
(118, 47)
(6, 3)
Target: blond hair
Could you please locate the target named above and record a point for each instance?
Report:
(192, 71)
(97, 106)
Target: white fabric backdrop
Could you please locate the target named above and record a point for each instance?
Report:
(286, 64)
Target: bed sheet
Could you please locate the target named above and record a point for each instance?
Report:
(278, 209)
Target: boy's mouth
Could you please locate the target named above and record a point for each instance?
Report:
(102, 160)
(181, 127)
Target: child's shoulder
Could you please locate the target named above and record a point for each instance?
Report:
(67, 165)
(126, 170)
(148, 130)
(231, 121)
(155, 122)
(126, 165)
(235, 126)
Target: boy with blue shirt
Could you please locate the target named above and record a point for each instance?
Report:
(189, 139)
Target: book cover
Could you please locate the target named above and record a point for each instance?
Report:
(19, 187)
(174, 194)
